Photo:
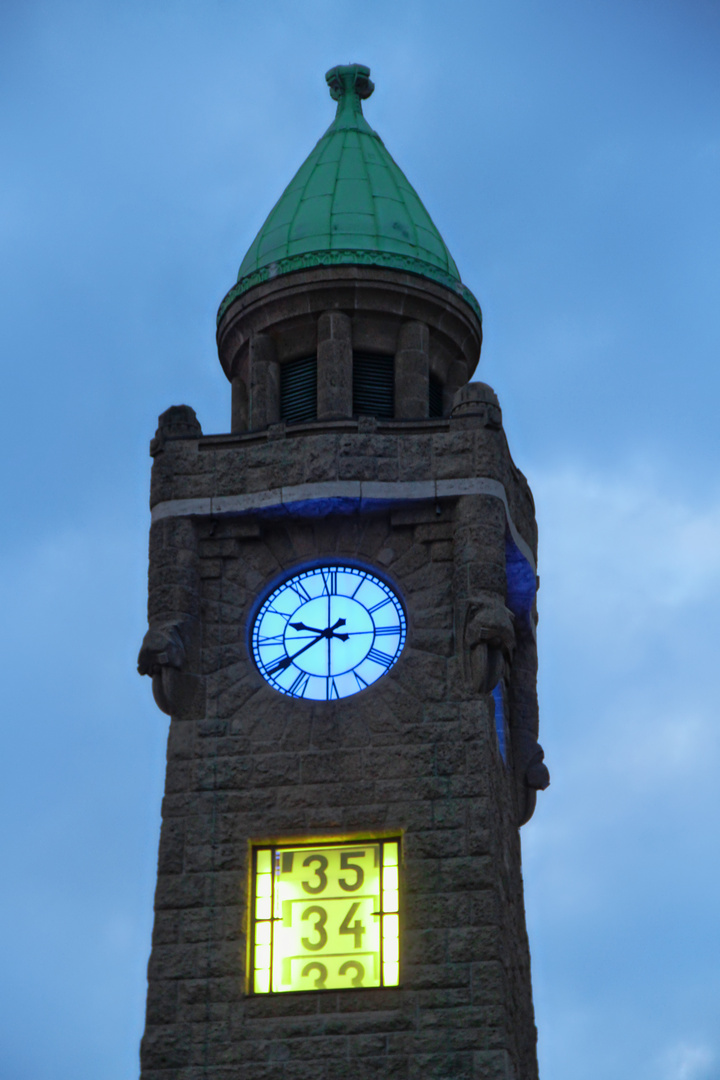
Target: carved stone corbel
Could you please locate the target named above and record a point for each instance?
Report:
(530, 769)
(163, 657)
(488, 641)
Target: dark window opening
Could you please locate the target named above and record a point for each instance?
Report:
(373, 385)
(298, 390)
(435, 395)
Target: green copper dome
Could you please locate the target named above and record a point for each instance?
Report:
(349, 203)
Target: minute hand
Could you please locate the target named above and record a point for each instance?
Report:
(289, 659)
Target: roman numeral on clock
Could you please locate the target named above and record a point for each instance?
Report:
(299, 686)
(299, 588)
(379, 657)
(360, 681)
(331, 690)
(329, 582)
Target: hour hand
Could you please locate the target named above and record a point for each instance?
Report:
(284, 663)
(302, 626)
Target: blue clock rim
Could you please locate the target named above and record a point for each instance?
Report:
(314, 564)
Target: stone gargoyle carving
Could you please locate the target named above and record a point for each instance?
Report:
(488, 641)
(532, 770)
(528, 754)
(162, 656)
(495, 648)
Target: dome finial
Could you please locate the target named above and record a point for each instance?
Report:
(349, 84)
(349, 204)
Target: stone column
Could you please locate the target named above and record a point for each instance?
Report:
(264, 378)
(239, 408)
(334, 366)
(412, 371)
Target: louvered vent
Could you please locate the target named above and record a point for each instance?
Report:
(435, 393)
(298, 390)
(373, 385)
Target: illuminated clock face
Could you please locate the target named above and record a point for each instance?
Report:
(328, 632)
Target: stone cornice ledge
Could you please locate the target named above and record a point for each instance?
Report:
(357, 494)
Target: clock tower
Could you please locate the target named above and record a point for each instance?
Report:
(342, 630)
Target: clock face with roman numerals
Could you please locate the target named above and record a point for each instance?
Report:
(328, 632)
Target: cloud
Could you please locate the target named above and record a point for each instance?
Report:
(688, 1062)
(630, 573)
(627, 541)
(621, 860)
(84, 752)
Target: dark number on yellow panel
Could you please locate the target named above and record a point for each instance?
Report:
(319, 873)
(357, 929)
(359, 971)
(345, 856)
(321, 970)
(318, 928)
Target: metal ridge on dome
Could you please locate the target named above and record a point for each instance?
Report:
(349, 204)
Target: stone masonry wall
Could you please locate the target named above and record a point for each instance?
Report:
(415, 753)
(363, 450)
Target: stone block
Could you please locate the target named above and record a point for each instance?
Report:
(446, 998)
(451, 758)
(367, 1068)
(471, 943)
(493, 1065)
(450, 813)
(430, 909)
(399, 762)
(162, 1002)
(166, 1046)
(319, 767)
(172, 846)
(424, 946)
(435, 843)
(414, 458)
(441, 1067)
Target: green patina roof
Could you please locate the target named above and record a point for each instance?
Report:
(349, 203)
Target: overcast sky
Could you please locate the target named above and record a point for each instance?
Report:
(569, 153)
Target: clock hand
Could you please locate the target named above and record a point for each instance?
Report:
(316, 629)
(287, 661)
(330, 632)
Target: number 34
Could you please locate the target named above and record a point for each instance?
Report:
(357, 929)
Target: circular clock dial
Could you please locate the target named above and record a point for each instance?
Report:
(328, 632)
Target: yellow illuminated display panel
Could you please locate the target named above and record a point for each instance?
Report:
(325, 916)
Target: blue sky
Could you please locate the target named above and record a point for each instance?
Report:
(569, 153)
